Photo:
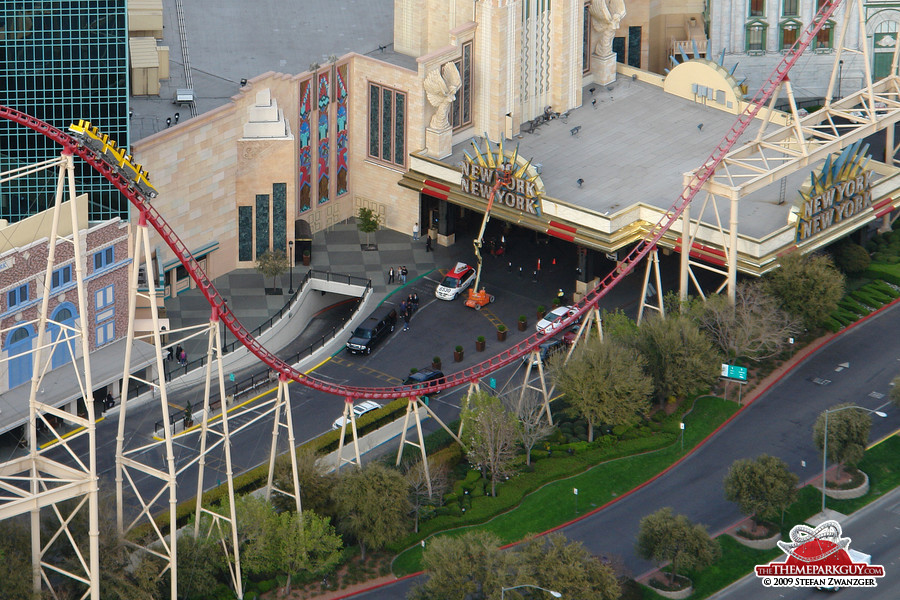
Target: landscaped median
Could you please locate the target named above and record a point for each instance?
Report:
(881, 463)
(544, 499)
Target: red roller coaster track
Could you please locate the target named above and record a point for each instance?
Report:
(150, 215)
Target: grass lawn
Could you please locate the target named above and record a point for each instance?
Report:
(554, 503)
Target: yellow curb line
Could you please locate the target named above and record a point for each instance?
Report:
(241, 405)
(67, 435)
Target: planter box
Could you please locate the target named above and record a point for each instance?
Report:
(501, 335)
(856, 492)
(479, 346)
(457, 356)
(523, 325)
(760, 544)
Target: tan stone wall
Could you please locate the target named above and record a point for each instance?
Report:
(667, 19)
(372, 183)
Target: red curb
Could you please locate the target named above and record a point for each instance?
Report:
(368, 589)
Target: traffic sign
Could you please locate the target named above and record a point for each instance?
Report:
(734, 372)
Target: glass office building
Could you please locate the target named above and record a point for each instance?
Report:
(61, 61)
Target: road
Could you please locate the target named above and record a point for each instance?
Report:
(874, 530)
(779, 423)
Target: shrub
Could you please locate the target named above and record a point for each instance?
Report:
(501, 327)
(480, 339)
(458, 348)
(851, 258)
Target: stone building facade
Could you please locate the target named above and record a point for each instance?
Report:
(24, 251)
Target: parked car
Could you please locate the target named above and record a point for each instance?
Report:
(358, 410)
(552, 321)
(424, 379)
(545, 351)
(455, 282)
(373, 330)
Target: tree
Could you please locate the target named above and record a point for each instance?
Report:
(848, 434)
(618, 326)
(492, 434)
(272, 264)
(604, 382)
(808, 287)
(315, 483)
(753, 327)
(417, 483)
(368, 221)
(761, 487)
(533, 426)
(850, 258)
(467, 566)
(680, 358)
(258, 534)
(372, 505)
(15, 560)
(664, 536)
(308, 543)
(566, 567)
(201, 562)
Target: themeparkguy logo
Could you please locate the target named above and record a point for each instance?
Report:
(820, 558)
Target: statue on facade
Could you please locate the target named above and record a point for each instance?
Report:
(441, 87)
(605, 18)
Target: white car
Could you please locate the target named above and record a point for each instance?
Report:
(454, 282)
(359, 410)
(552, 321)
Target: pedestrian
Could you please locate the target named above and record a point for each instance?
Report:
(406, 321)
(178, 351)
(109, 400)
(182, 358)
(415, 298)
(403, 307)
(415, 232)
(560, 296)
(409, 304)
(170, 354)
(427, 243)
(391, 276)
(403, 274)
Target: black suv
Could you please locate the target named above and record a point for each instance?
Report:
(424, 379)
(372, 331)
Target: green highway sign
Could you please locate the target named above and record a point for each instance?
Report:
(734, 372)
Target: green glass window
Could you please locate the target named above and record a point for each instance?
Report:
(387, 125)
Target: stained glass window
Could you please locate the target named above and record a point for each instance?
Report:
(262, 224)
(399, 129)
(461, 109)
(245, 233)
(374, 119)
(386, 120)
(586, 41)
(279, 216)
(387, 125)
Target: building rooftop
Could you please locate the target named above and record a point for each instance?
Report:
(230, 40)
(634, 145)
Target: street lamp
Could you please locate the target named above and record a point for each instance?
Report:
(825, 440)
(503, 590)
(291, 257)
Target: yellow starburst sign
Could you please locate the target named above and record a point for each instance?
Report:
(842, 189)
(479, 172)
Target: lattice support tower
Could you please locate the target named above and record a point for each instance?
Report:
(349, 416)
(283, 422)
(414, 407)
(225, 526)
(652, 267)
(35, 481)
(136, 460)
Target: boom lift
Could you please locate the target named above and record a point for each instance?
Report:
(479, 297)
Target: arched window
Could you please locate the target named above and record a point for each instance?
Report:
(756, 36)
(18, 349)
(790, 31)
(62, 319)
(883, 44)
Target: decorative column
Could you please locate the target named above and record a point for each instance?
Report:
(606, 15)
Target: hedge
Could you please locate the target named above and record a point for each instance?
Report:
(257, 477)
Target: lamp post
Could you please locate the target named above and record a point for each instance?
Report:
(291, 257)
(825, 440)
(840, 76)
(503, 590)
